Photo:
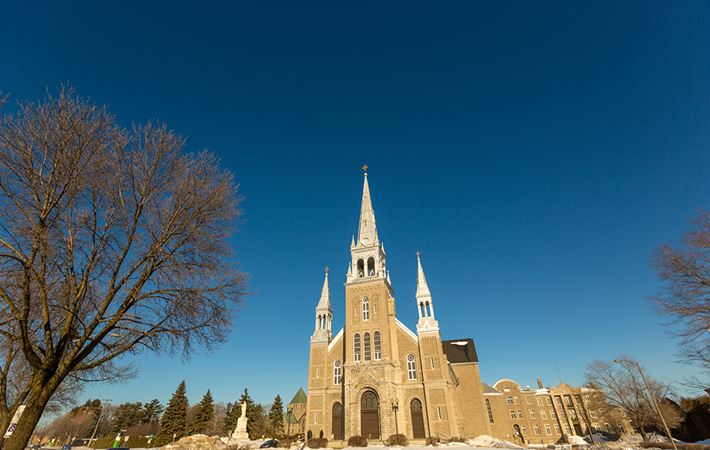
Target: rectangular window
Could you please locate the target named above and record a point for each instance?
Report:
(552, 414)
(532, 414)
(539, 401)
(512, 415)
(438, 412)
(548, 401)
(528, 400)
(520, 414)
(592, 414)
(515, 400)
(548, 430)
(431, 360)
(509, 400)
(543, 415)
(317, 372)
(315, 417)
(537, 429)
(573, 414)
(557, 429)
(524, 430)
(337, 372)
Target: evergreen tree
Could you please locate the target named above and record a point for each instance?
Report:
(152, 411)
(230, 419)
(126, 415)
(203, 414)
(174, 420)
(276, 417)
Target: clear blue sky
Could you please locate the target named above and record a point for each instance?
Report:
(537, 153)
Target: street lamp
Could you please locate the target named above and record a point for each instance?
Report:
(395, 408)
(651, 395)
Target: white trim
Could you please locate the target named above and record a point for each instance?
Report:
(331, 344)
(406, 330)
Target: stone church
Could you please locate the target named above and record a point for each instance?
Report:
(376, 377)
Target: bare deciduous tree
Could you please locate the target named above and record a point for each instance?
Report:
(624, 390)
(686, 296)
(112, 241)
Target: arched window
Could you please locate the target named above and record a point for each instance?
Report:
(337, 372)
(356, 345)
(378, 351)
(490, 411)
(367, 346)
(360, 268)
(411, 367)
(370, 266)
(365, 309)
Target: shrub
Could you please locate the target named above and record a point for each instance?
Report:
(456, 439)
(431, 440)
(285, 442)
(317, 443)
(398, 439)
(357, 441)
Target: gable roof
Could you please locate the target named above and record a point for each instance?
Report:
(300, 397)
(488, 389)
(460, 351)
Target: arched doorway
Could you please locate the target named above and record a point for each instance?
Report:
(370, 415)
(417, 419)
(337, 424)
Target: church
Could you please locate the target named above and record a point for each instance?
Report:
(375, 377)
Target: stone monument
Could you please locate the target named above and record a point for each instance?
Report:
(241, 431)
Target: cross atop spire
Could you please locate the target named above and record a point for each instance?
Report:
(364, 168)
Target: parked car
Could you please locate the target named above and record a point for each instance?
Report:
(270, 443)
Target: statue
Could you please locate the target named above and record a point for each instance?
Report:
(241, 431)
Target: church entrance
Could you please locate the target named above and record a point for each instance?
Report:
(337, 424)
(370, 415)
(417, 419)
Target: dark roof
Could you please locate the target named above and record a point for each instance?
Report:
(300, 397)
(487, 389)
(460, 351)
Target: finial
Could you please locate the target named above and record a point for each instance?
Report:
(327, 269)
(364, 169)
(418, 254)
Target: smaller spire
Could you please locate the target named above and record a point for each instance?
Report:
(324, 302)
(422, 287)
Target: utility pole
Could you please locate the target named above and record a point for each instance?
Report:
(652, 396)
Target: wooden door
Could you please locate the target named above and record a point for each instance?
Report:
(417, 419)
(337, 424)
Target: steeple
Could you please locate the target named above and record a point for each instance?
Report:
(425, 304)
(368, 253)
(324, 315)
(367, 231)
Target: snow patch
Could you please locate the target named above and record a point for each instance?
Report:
(491, 442)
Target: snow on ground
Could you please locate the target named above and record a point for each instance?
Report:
(490, 442)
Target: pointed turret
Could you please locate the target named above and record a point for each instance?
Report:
(422, 286)
(367, 230)
(324, 315)
(425, 304)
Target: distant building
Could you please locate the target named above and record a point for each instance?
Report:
(295, 419)
(376, 377)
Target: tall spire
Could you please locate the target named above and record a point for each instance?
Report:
(367, 231)
(422, 286)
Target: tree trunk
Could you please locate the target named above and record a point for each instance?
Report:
(40, 393)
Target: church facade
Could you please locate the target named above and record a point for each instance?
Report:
(375, 377)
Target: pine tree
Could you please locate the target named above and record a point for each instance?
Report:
(230, 419)
(152, 411)
(276, 417)
(174, 420)
(203, 414)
